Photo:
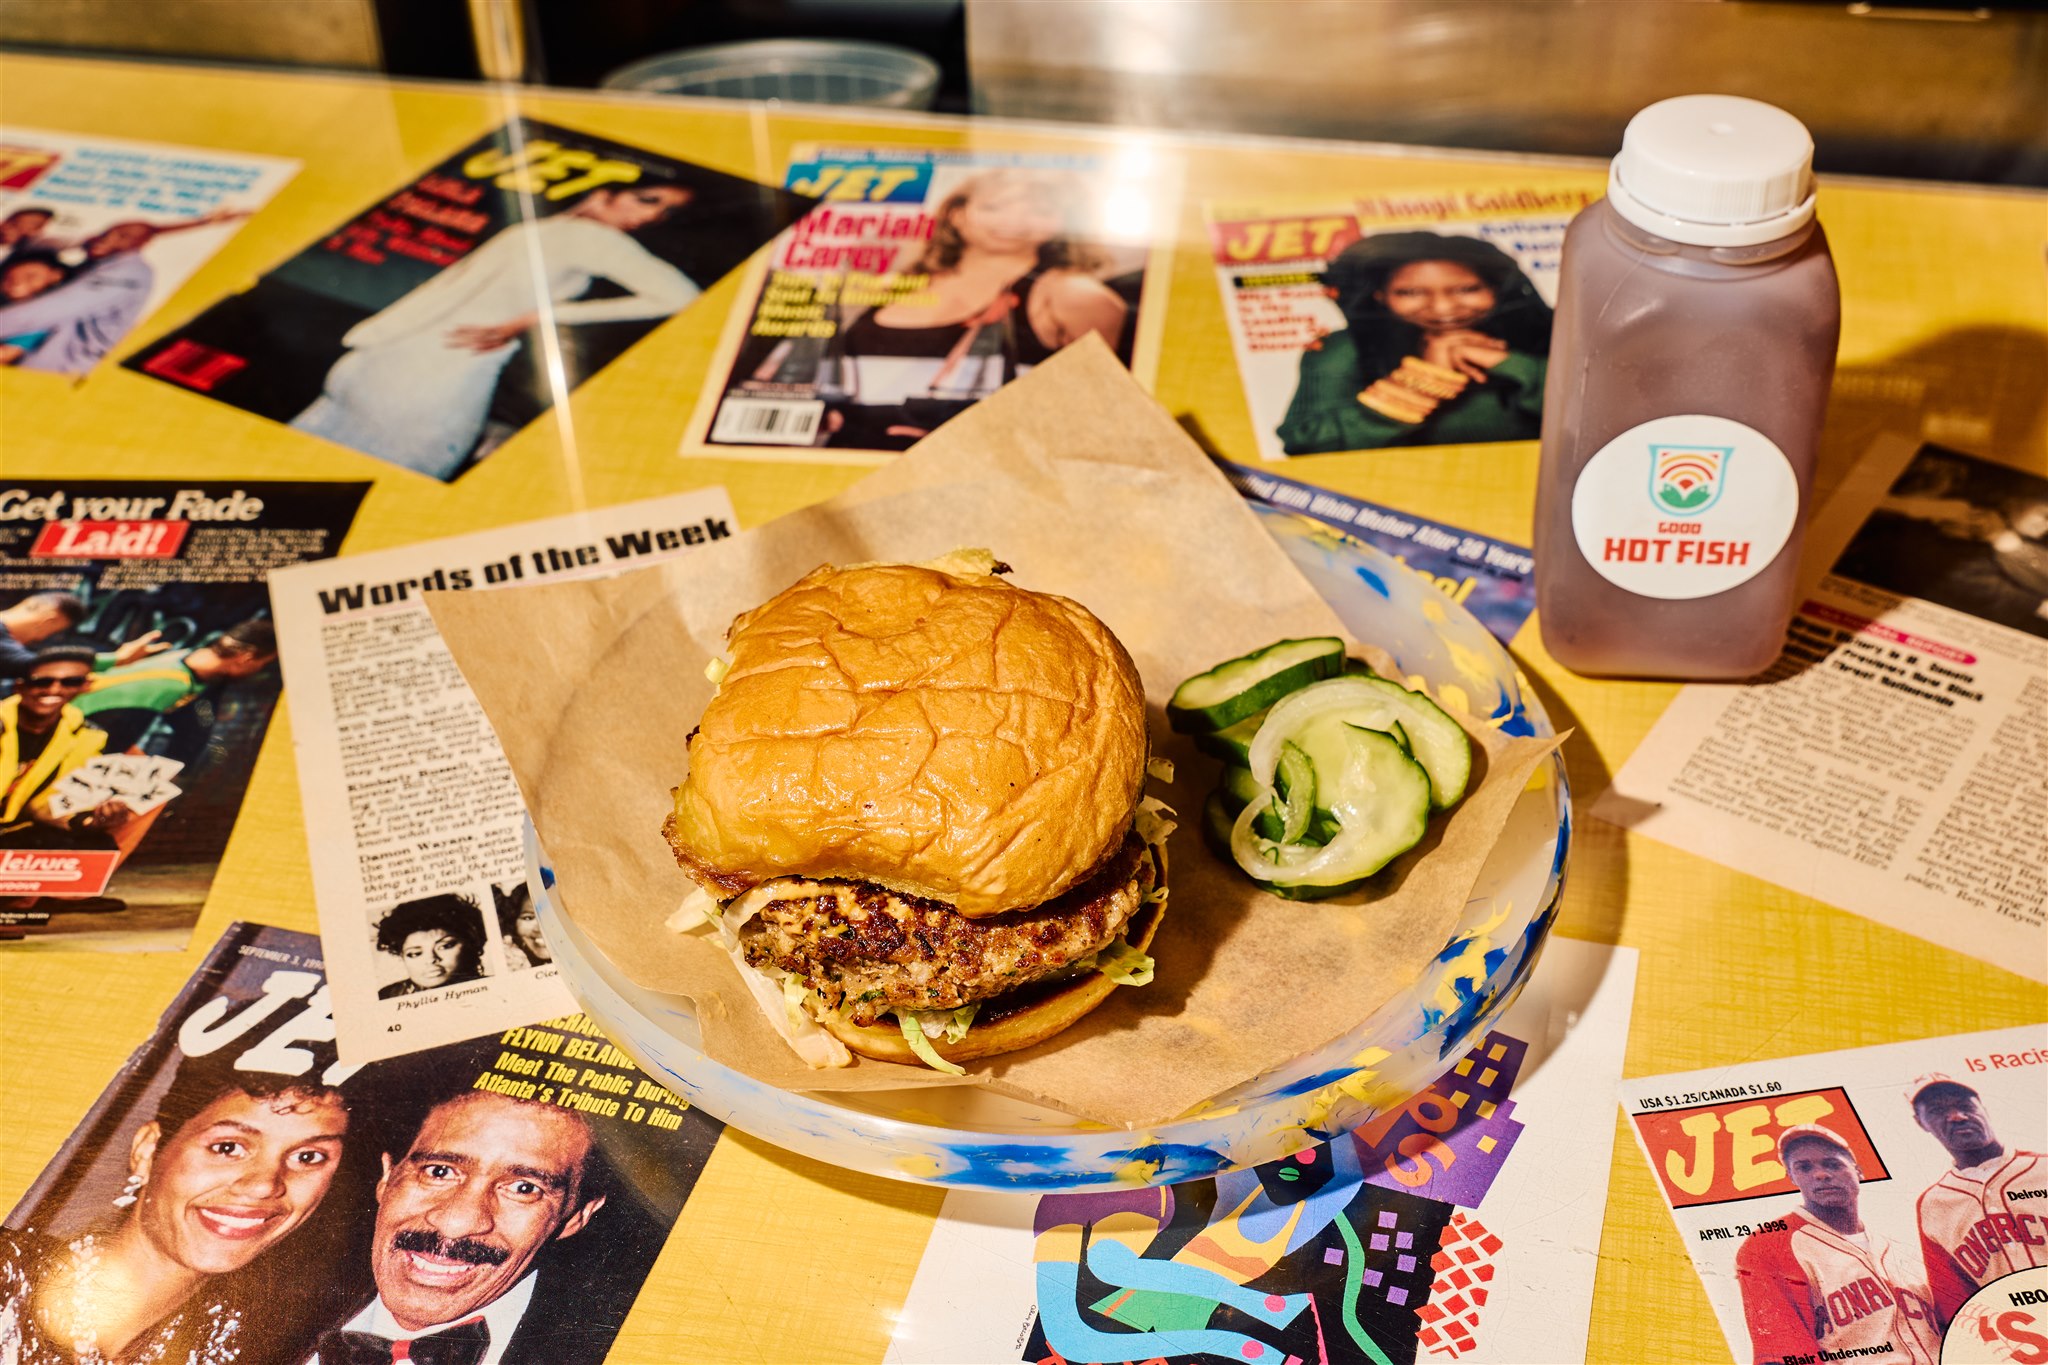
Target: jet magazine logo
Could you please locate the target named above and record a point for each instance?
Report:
(1686, 480)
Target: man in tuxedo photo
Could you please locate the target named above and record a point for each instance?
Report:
(463, 1215)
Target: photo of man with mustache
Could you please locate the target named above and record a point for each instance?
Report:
(1986, 1216)
(463, 1217)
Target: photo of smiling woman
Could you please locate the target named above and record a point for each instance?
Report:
(222, 1203)
(1445, 341)
(519, 925)
(230, 1165)
(434, 941)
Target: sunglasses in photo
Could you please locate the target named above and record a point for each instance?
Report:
(44, 684)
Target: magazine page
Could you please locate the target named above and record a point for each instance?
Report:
(495, 1201)
(137, 681)
(924, 281)
(1492, 579)
(413, 818)
(1462, 1225)
(95, 233)
(1884, 1204)
(1890, 762)
(424, 330)
(1400, 319)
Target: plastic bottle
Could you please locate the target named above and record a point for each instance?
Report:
(1697, 317)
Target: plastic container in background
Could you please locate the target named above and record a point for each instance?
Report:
(794, 70)
(1697, 319)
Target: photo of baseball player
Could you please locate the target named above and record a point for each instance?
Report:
(1987, 1215)
(1817, 1280)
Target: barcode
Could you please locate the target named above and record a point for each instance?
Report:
(767, 421)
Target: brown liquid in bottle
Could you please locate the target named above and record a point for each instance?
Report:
(1653, 328)
(1650, 328)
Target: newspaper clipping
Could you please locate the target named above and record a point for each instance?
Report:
(95, 233)
(413, 817)
(258, 1203)
(1461, 1225)
(430, 327)
(1401, 319)
(1492, 579)
(136, 654)
(1894, 761)
(1885, 1205)
(923, 282)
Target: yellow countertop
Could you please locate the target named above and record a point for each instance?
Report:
(778, 1258)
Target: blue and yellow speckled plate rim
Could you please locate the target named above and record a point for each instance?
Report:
(1400, 1049)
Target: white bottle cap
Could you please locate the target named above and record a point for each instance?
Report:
(1714, 170)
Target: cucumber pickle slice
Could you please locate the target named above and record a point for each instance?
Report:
(1377, 793)
(1330, 771)
(1311, 717)
(1238, 789)
(1238, 688)
(1233, 743)
(1296, 789)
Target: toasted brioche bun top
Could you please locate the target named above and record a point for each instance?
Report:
(946, 735)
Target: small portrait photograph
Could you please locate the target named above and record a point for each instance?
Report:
(519, 927)
(1964, 533)
(1445, 340)
(430, 942)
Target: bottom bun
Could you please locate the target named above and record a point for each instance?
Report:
(1015, 1019)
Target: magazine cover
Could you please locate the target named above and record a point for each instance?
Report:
(95, 233)
(424, 331)
(924, 281)
(1885, 1204)
(414, 820)
(1462, 1225)
(1890, 761)
(1492, 579)
(494, 1202)
(137, 679)
(1402, 319)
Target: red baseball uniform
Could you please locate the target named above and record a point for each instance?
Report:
(1979, 1224)
(1809, 1289)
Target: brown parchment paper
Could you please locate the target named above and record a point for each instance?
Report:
(1087, 488)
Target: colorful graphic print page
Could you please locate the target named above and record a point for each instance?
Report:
(1383, 1246)
(1886, 1204)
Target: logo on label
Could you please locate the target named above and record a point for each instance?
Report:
(1686, 480)
(1696, 533)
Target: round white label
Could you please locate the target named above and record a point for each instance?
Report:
(1684, 507)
